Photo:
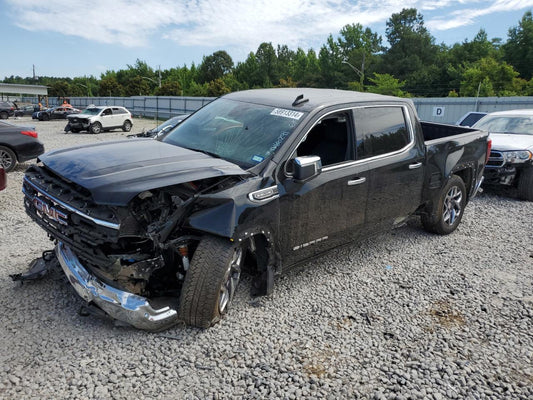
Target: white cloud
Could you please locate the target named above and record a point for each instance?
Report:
(467, 16)
(236, 23)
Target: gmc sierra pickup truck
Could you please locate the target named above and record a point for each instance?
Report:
(155, 231)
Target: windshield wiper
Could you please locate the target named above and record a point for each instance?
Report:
(214, 155)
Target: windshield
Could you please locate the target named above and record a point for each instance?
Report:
(169, 123)
(522, 125)
(243, 133)
(91, 111)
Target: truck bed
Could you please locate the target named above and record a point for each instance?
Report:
(433, 130)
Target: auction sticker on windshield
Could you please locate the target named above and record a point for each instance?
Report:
(280, 112)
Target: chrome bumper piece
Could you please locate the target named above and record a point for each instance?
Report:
(118, 304)
(478, 189)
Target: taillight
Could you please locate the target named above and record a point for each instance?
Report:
(489, 147)
(30, 133)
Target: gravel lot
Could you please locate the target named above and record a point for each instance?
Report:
(403, 315)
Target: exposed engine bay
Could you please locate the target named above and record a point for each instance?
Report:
(143, 248)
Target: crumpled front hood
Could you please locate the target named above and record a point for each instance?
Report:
(115, 172)
(506, 141)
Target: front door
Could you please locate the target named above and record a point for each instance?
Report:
(326, 210)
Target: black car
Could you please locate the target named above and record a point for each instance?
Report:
(18, 144)
(26, 110)
(59, 112)
(6, 110)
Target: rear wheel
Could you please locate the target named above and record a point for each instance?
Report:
(449, 208)
(8, 158)
(525, 184)
(4, 115)
(96, 128)
(210, 282)
(126, 127)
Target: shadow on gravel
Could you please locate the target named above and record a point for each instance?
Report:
(509, 192)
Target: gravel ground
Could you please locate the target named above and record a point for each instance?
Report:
(403, 315)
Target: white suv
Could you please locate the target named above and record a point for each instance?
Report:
(96, 119)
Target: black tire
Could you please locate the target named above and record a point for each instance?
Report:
(210, 282)
(126, 126)
(8, 158)
(96, 128)
(449, 209)
(45, 117)
(525, 184)
(4, 115)
(75, 130)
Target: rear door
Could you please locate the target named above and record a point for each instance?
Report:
(386, 142)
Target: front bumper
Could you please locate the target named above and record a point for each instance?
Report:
(118, 304)
(81, 124)
(504, 175)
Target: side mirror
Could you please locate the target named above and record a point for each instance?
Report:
(306, 167)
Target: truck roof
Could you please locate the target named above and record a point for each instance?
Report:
(312, 98)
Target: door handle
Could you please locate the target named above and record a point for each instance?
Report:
(415, 165)
(357, 181)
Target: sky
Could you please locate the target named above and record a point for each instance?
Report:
(87, 38)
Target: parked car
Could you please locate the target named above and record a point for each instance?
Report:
(59, 112)
(156, 231)
(6, 110)
(18, 144)
(470, 118)
(511, 157)
(3, 178)
(25, 110)
(96, 119)
(161, 129)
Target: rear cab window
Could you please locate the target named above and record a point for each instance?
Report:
(380, 130)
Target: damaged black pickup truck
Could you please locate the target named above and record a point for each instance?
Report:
(154, 231)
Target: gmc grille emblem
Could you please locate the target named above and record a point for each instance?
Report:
(51, 212)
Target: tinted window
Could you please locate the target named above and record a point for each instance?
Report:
(471, 119)
(329, 139)
(380, 130)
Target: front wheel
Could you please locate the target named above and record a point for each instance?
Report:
(210, 282)
(126, 127)
(449, 208)
(525, 184)
(4, 115)
(8, 158)
(96, 128)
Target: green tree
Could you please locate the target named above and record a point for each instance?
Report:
(214, 66)
(109, 86)
(412, 53)
(518, 51)
(490, 77)
(267, 63)
(285, 59)
(217, 88)
(330, 60)
(360, 48)
(248, 73)
(59, 89)
(171, 88)
(387, 84)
